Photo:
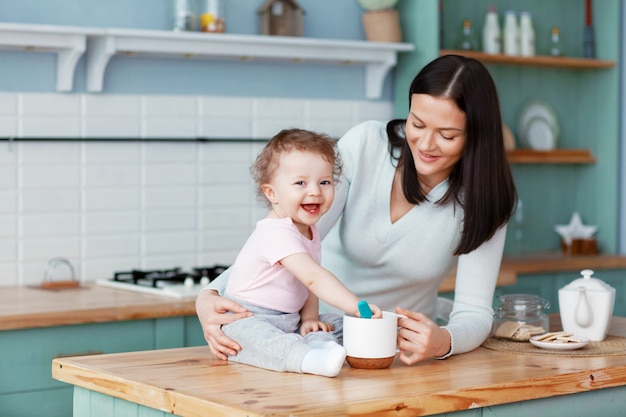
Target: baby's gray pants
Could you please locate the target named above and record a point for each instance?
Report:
(271, 339)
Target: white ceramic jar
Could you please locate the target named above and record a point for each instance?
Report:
(586, 306)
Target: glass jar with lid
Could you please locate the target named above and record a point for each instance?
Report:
(523, 309)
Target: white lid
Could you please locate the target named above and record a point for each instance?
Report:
(588, 282)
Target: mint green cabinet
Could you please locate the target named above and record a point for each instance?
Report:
(26, 386)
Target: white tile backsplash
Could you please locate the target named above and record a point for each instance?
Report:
(112, 175)
(45, 225)
(108, 152)
(49, 200)
(8, 226)
(46, 105)
(8, 126)
(111, 199)
(8, 104)
(49, 176)
(8, 176)
(117, 205)
(107, 223)
(8, 202)
(111, 246)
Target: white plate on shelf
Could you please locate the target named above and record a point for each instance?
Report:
(560, 346)
(540, 134)
(538, 126)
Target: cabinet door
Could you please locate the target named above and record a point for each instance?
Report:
(27, 354)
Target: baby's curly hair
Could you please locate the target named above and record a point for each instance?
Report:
(288, 140)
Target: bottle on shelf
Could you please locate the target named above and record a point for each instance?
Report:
(527, 35)
(555, 42)
(491, 32)
(184, 15)
(467, 42)
(510, 38)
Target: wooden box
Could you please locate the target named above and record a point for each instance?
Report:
(281, 18)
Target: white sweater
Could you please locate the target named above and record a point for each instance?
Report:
(403, 264)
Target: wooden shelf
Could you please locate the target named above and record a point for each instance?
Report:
(556, 156)
(535, 61)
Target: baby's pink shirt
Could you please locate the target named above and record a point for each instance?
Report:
(257, 276)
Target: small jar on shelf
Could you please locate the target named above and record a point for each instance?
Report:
(555, 42)
(467, 41)
(212, 16)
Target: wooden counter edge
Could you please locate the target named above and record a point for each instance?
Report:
(69, 370)
(543, 263)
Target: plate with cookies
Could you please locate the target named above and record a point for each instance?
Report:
(559, 341)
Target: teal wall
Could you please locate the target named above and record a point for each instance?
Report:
(585, 101)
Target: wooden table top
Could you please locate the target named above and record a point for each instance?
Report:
(192, 382)
(28, 307)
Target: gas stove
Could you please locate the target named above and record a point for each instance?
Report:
(174, 282)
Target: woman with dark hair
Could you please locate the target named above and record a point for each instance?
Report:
(417, 197)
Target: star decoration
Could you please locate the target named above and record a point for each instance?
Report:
(575, 229)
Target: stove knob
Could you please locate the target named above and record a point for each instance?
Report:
(204, 281)
(189, 282)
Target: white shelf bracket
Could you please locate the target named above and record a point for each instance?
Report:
(375, 74)
(66, 67)
(101, 49)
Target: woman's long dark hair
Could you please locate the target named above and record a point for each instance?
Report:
(481, 182)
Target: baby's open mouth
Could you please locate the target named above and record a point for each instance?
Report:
(311, 208)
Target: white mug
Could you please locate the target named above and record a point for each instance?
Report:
(370, 343)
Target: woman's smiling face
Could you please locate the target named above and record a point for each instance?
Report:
(435, 132)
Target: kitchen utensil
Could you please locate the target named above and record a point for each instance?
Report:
(48, 281)
(364, 310)
(586, 306)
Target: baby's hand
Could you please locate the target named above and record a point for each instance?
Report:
(367, 310)
(377, 313)
(309, 325)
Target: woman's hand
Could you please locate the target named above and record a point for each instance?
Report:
(420, 338)
(312, 325)
(211, 310)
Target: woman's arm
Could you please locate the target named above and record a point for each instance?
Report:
(212, 310)
(324, 284)
(472, 313)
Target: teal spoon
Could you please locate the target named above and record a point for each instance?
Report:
(364, 310)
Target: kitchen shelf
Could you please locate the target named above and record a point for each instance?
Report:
(68, 43)
(535, 61)
(377, 57)
(556, 156)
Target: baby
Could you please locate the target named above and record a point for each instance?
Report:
(277, 275)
